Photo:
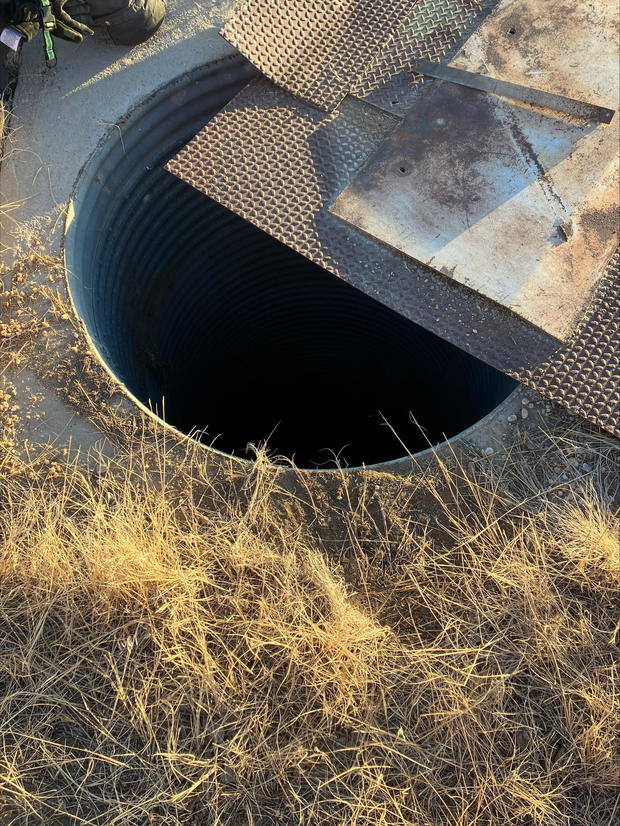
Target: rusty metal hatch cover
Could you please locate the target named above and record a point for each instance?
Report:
(281, 163)
(516, 201)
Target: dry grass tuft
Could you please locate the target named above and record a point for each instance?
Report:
(590, 540)
(189, 656)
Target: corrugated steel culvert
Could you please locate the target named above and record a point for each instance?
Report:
(228, 333)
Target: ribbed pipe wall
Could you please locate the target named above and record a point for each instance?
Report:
(223, 330)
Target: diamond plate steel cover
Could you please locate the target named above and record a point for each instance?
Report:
(279, 164)
(433, 29)
(584, 374)
(314, 48)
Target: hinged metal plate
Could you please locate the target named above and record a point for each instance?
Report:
(514, 201)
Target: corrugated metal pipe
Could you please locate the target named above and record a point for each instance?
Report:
(230, 333)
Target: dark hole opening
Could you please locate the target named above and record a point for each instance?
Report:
(226, 331)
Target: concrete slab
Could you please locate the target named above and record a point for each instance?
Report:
(59, 118)
(60, 115)
(48, 420)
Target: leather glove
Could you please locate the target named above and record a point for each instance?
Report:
(26, 19)
(80, 11)
(67, 27)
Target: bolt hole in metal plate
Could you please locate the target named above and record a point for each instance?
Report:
(517, 202)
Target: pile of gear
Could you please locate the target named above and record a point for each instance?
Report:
(127, 22)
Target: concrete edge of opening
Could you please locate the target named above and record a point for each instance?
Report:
(487, 435)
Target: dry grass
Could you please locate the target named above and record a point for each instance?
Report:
(209, 654)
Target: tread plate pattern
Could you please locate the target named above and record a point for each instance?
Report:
(314, 48)
(434, 29)
(279, 163)
(584, 374)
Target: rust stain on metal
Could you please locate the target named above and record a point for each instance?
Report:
(563, 47)
(600, 226)
(435, 175)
